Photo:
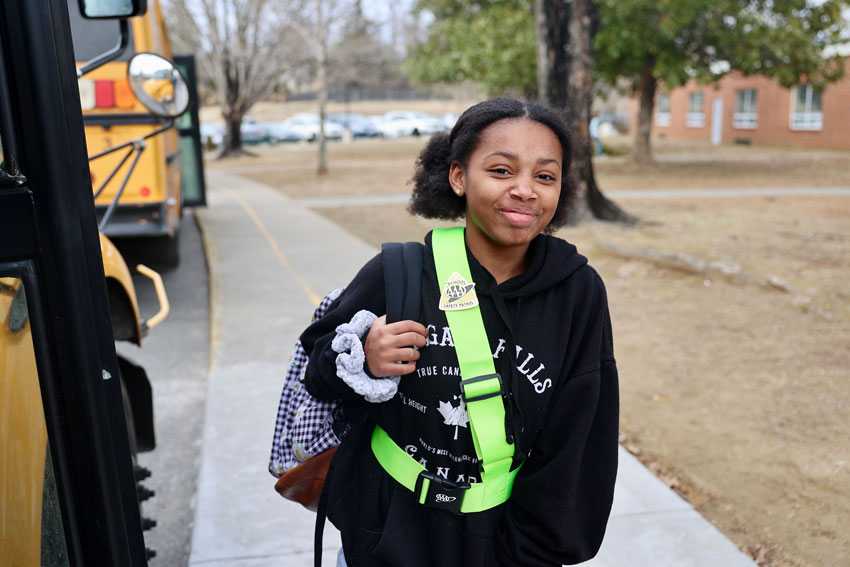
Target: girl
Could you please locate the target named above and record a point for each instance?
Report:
(504, 168)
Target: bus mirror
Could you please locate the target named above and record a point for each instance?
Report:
(158, 84)
(112, 9)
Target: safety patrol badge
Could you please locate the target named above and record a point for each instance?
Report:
(458, 294)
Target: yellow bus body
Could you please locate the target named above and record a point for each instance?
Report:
(24, 434)
(115, 269)
(150, 204)
(23, 453)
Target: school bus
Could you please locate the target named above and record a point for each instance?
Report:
(140, 187)
(69, 407)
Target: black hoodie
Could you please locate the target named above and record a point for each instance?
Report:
(550, 335)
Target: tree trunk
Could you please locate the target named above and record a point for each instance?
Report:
(646, 91)
(229, 94)
(550, 21)
(322, 76)
(233, 137)
(576, 33)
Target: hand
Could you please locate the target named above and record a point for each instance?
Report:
(386, 345)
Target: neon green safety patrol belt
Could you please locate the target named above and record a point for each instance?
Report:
(482, 391)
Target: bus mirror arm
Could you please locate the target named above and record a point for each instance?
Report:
(139, 147)
(114, 171)
(135, 141)
(110, 55)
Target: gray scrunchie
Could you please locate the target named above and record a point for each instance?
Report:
(350, 360)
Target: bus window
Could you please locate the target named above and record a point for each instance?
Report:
(31, 532)
(95, 37)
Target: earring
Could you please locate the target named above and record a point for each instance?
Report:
(458, 192)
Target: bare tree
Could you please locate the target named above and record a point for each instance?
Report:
(238, 44)
(359, 57)
(565, 31)
(344, 50)
(315, 27)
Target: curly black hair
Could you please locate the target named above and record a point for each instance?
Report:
(433, 197)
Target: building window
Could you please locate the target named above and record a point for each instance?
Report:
(806, 108)
(662, 115)
(746, 111)
(695, 117)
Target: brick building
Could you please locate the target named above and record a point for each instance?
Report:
(756, 110)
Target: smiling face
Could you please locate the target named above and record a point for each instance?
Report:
(512, 184)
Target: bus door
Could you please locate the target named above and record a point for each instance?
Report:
(188, 127)
(67, 488)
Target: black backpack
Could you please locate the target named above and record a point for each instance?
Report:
(307, 430)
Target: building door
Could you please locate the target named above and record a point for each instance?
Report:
(717, 121)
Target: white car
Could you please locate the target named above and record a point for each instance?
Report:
(306, 127)
(279, 132)
(253, 132)
(408, 123)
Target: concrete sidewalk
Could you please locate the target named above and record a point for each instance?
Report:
(269, 257)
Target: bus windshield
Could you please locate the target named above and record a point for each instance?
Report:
(94, 37)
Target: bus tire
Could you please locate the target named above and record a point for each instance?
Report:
(167, 250)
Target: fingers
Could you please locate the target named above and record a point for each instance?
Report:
(402, 355)
(398, 335)
(390, 348)
(401, 369)
(401, 327)
(404, 340)
(398, 363)
(391, 361)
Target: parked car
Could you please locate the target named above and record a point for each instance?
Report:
(360, 126)
(252, 132)
(280, 132)
(306, 126)
(212, 135)
(408, 123)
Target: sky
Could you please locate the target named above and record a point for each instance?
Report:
(381, 12)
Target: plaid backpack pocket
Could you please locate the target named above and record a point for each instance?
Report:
(304, 426)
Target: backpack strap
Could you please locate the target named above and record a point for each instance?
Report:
(402, 265)
(481, 388)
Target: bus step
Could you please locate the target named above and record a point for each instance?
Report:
(141, 472)
(144, 492)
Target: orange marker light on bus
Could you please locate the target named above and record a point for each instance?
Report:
(123, 95)
(145, 192)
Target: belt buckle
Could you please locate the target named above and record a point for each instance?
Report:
(441, 494)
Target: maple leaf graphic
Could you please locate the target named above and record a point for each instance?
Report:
(452, 415)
